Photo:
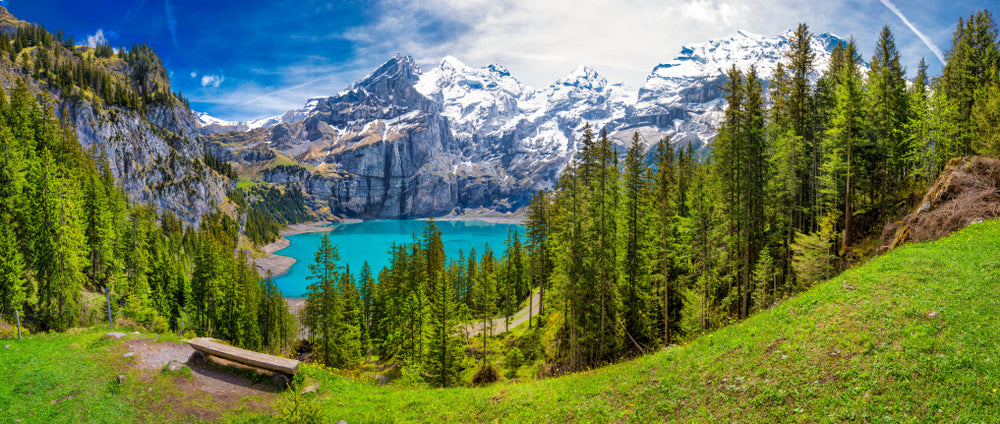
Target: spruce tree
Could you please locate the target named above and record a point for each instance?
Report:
(444, 349)
(972, 62)
(887, 109)
(367, 286)
(844, 137)
(12, 267)
(635, 304)
(322, 310)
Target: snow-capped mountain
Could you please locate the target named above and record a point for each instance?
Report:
(683, 96)
(208, 124)
(403, 142)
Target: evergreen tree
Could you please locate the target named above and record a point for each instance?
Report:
(367, 285)
(444, 349)
(12, 267)
(887, 109)
(665, 234)
(351, 323)
(537, 229)
(635, 289)
(323, 309)
(972, 62)
(844, 137)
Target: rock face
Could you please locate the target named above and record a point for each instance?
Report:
(156, 158)
(406, 143)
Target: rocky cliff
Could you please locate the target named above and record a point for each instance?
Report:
(123, 109)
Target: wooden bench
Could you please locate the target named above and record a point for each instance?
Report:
(283, 368)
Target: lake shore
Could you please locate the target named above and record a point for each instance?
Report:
(279, 264)
(484, 215)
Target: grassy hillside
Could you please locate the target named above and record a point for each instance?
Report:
(915, 340)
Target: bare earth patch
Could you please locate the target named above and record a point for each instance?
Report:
(207, 395)
(967, 192)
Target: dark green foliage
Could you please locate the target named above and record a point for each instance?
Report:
(268, 209)
(323, 309)
(972, 64)
(222, 167)
(62, 67)
(444, 349)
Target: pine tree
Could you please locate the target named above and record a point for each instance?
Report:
(12, 267)
(537, 229)
(887, 109)
(367, 285)
(444, 349)
(972, 62)
(322, 310)
(919, 128)
(350, 325)
(844, 137)
(635, 304)
(486, 305)
(666, 204)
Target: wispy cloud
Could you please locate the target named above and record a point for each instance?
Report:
(213, 81)
(277, 93)
(171, 22)
(930, 44)
(96, 39)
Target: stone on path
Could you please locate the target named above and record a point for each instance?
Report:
(114, 335)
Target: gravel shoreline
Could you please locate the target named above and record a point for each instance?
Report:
(279, 264)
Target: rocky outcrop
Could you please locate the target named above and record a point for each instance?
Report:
(967, 192)
(157, 159)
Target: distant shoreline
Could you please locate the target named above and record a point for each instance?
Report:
(484, 215)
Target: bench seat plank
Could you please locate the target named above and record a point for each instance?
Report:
(243, 356)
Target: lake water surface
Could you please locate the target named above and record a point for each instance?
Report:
(370, 241)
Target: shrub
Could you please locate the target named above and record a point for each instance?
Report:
(485, 375)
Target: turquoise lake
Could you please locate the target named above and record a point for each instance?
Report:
(370, 241)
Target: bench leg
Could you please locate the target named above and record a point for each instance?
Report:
(280, 380)
(199, 358)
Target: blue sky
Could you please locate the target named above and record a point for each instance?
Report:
(240, 60)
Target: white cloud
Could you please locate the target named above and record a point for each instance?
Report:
(708, 12)
(213, 81)
(194, 74)
(96, 38)
(540, 41)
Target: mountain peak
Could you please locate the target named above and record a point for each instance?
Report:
(398, 66)
(452, 62)
(583, 77)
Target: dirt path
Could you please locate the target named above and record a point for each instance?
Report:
(227, 391)
(520, 317)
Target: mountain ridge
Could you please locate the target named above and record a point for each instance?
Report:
(496, 140)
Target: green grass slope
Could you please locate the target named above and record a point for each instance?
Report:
(917, 340)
